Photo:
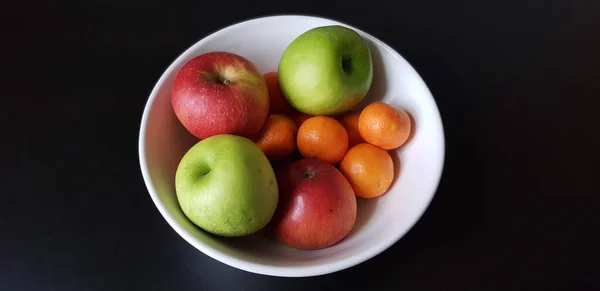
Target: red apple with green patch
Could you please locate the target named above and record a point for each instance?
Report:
(317, 206)
(220, 93)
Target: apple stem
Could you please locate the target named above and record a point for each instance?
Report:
(309, 175)
(226, 82)
(347, 65)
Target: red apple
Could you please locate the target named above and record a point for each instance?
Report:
(220, 93)
(317, 206)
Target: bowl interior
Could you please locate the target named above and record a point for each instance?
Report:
(381, 221)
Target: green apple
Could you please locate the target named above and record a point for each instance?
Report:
(226, 186)
(326, 70)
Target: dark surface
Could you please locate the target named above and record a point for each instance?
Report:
(516, 82)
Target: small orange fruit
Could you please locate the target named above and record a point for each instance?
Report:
(300, 117)
(369, 169)
(324, 138)
(350, 122)
(384, 126)
(277, 101)
(277, 138)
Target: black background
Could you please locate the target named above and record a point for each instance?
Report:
(517, 84)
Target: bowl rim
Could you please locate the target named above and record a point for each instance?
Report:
(265, 269)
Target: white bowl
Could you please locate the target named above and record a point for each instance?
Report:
(381, 221)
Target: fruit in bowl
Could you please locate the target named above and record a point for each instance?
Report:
(318, 205)
(165, 139)
(277, 138)
(220, 93)
(226, 186)
(324, 138)
(326, 70)
(225, 183)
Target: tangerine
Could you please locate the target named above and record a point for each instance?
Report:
(324, 138)
(369, 169)
(277, 137)
(384, 126)
(277, 101)
(350, 122)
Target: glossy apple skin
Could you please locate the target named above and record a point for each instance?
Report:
(317, 206)
(220, 93)
(226, 186)
(326, 70)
